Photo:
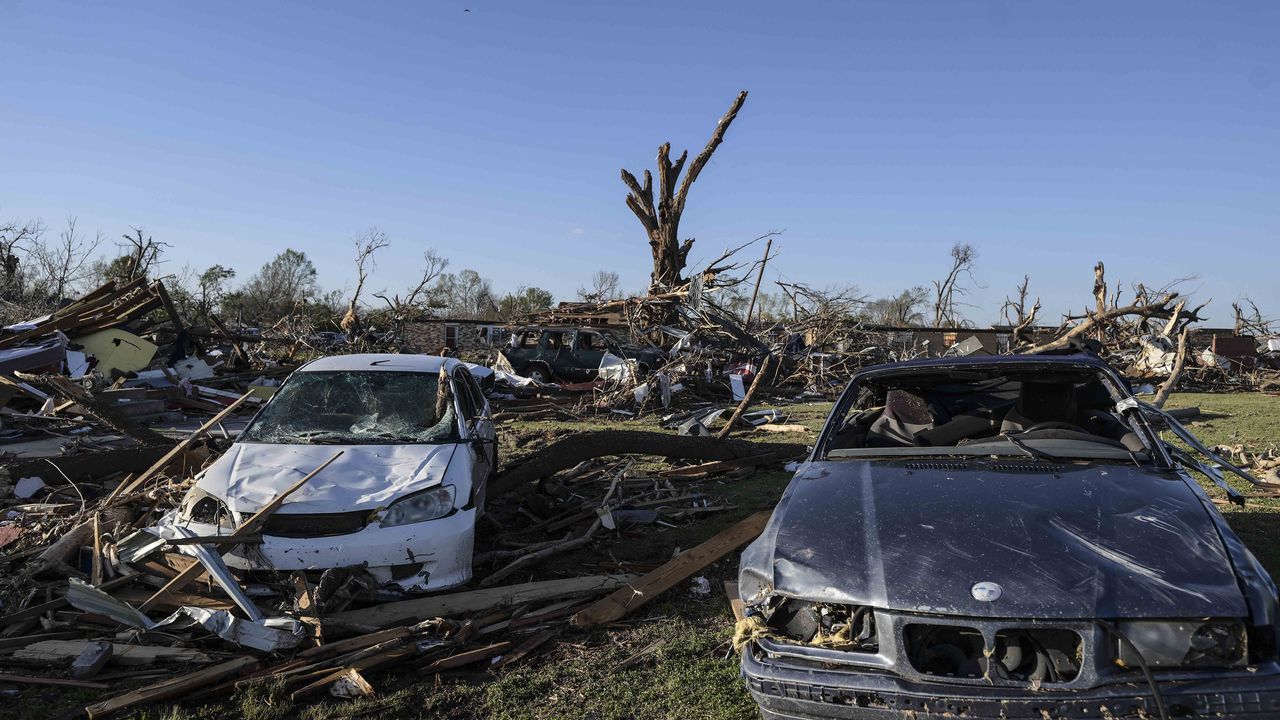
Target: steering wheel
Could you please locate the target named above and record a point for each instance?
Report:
(1054, 425)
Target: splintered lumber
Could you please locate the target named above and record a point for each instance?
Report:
(674, 571)
(103, 413)
(746, 399)
(696, 472)
(738, 607)
(359, 642)
(178, 449)
(351, 684)
(56, 682)
(393, 653)
(528, 645)
(466, 658)
(248, 528)
(471, 601)
(61, 652)
(793, 427)
(169, 689)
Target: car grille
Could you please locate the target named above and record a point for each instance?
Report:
(307, 525)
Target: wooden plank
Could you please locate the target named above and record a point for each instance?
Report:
(175, 600)
(169, 309)
(466, 658)
(246, 529)
(169, 689)
(738, 607)
(102, 412)
(458, 603)
(25, 640)
(359, 642)
(528, 645)
(705, 469)
(59, 652)
(674, 571)
(187, 442)
(56, 682)
(365, 663)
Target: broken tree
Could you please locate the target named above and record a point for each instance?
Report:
(662, 220)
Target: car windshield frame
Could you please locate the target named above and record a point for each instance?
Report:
(1062, 449)
(311, 408)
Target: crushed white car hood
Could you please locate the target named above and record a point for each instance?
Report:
(250, 475)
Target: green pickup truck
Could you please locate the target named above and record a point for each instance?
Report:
(552, 354)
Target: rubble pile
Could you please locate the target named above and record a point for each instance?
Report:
(100, 591)
(95, 597)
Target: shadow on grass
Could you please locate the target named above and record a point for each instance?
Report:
(1259, 530)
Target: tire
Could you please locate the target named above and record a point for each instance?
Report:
(541, 374)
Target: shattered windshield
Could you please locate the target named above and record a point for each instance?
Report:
(356, 407)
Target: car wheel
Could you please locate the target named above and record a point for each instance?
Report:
(540, 374)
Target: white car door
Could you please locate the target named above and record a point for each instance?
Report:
(480, 436)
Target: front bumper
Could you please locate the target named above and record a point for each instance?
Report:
(420, 557)
(786, 691)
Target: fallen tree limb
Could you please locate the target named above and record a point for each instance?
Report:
(569, 451)
(746, 399)
(541, 554)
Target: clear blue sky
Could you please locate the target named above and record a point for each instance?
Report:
(1048, 134)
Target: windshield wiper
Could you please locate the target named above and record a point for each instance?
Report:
(1033, 452)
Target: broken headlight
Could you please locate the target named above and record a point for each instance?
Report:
(200, 507)
(753, 588)
(1184, 643)
(841, 627)
(419, 507)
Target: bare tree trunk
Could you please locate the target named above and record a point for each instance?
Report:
(1100, 296)
(662, 221)
(1167, 388)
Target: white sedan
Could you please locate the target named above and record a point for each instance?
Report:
(418, 449)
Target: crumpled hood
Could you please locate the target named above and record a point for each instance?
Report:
(250, 475)
(1094, 541)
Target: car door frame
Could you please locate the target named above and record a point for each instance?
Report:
(588, 362)
(479, 436)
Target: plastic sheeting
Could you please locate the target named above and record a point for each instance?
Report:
(267, 634)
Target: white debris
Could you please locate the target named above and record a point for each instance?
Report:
(701, 587)
(27, 487)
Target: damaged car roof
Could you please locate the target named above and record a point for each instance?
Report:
(382, 361)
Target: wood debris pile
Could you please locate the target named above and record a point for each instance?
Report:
(95, 598)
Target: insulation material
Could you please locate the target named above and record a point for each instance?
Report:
(616, 369)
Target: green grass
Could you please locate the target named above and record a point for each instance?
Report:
(1253, 420)
(692, 674)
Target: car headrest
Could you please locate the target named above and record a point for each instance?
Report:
(907, 407)
(1047, 401)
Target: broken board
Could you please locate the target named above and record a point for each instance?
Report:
(620, 602)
